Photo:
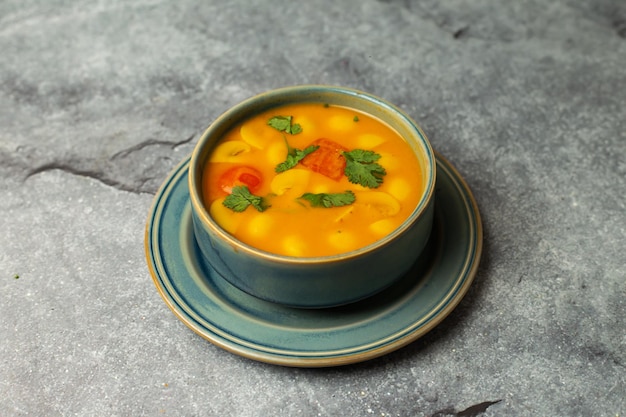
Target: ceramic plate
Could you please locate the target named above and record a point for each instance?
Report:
(272, 333)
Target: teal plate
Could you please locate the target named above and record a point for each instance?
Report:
(267, 332)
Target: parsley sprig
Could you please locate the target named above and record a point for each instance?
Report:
(283, 124)
(362, 168)
(241, 198)
(294, 156)
(328, 200)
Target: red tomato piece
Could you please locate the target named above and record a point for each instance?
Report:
(241, 175)
(328, 159)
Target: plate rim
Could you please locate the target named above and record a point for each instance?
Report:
(451, 300)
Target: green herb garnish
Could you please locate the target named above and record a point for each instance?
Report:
(329, 200)
(283, 124)
(356, 118)
(362, 168)
(294, 156)
(241, 197)
(16, 276)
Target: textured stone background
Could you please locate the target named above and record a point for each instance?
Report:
(100, 100)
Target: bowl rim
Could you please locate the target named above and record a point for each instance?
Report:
(232, 116)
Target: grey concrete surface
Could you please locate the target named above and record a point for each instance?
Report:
(100, 100)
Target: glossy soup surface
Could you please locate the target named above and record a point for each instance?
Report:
(290, 225)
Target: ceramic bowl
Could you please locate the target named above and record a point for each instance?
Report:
(314, 282)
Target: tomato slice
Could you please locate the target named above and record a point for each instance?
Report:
(328, 159)
(241, 175)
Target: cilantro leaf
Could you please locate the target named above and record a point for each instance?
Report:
(363, 156)
(329, 200)
(362, 168)
(294, 156)
(280, 123)
(283, 124)
(240, 198)
(295, 129)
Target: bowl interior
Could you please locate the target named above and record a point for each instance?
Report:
(337, 96)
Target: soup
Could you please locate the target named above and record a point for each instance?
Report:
(311, 180)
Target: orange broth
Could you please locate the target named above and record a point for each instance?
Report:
(291, 226)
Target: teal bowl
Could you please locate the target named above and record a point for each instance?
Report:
(313, 282)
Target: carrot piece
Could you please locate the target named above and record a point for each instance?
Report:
(328, 159)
